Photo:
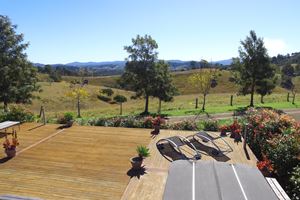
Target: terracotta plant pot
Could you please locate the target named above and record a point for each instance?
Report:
(223, 133)
(10, 152)
(237, 137)
(265, 172)
(69, 123)
(232, 134)
(156, 129)
(136, 162)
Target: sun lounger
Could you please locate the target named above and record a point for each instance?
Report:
(205, 137)
(177, 143)
(206, 180)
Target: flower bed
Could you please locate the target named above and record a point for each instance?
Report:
(275, 140)
(142, 122)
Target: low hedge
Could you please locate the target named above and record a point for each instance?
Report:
(16, 112)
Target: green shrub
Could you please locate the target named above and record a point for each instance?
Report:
(148, 122)
(283, 154)
(17, 113)
(99, 122)
(104, 98)
(210, 125)
(293, 188)
(129, 122)
(65, 118)
(184, 125)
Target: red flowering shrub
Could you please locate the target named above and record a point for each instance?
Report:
(275, 140)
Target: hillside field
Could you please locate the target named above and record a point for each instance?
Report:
(180, 80)
(55, 101)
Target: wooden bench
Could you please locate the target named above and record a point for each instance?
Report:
(277, 189)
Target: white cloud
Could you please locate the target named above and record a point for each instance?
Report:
(275, 46)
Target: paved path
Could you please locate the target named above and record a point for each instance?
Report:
(293, 112)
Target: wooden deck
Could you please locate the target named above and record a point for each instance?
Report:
(76, 163)
(92, 163)
(151, 185)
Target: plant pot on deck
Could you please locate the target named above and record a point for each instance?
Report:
(156, 129)
(136, 162)
(223, 133)
(10, 153)
(69, 123)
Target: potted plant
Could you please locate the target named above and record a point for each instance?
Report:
(233, 128)
(237, 135)
(10, 146)
(66, 119)
(224, 129)
(156, 124)
(137, 161)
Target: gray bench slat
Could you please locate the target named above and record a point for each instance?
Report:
(179, 181)
(254, 183)
(228, 184)
(205, 181)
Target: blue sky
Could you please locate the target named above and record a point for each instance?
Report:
(62, 31)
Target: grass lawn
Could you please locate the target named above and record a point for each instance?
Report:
(54, 100)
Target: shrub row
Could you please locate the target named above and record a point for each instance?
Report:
(147, 122)
(16, 112)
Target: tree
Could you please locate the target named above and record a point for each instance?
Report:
(140, 71)
(265, 86)
(204, 63)
(120, 99)
(193, 64)
(163, 87)
(204, 80)
(252, 66)
(77, 92)
(297, 70)
(18, 76)
(287, 74)
(107, 91)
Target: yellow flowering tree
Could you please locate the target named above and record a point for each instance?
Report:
(204, 80)
(78, 93)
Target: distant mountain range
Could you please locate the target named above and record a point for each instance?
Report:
(174, 64)
(117, 67)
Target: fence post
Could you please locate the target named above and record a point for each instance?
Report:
(42, 114)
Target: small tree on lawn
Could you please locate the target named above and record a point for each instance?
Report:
(120, 99)
(287, 74)
(107, 91)
(163, 87)
(265, 87)
(204, 80)
(78, 93)
(18, 76)
(252, 66)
